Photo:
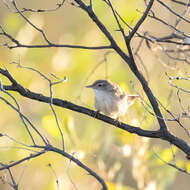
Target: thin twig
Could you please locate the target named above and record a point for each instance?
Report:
(172, 165)
(14, 184)
(145, 14)
(69, 175)
(173, 12)
(51, 95)
(18, 44)
(30, 23)
(54, 173)
(58, 6)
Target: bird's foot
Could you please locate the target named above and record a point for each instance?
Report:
(117, 122)
(95, 114)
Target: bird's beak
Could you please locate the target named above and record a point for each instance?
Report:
(89, 86)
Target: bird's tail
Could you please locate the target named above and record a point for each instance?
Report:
(132, 98)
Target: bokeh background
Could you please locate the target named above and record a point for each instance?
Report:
(124, 160)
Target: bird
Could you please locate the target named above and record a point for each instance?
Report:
(110, 99)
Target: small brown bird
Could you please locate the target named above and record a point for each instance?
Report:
(111, 99)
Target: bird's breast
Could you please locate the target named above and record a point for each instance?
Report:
(107, 103)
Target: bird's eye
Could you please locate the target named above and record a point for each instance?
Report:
(100, 84)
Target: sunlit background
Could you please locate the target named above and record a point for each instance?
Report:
(125, 161)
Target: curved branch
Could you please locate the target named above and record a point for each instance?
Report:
(166, 135)
(129, 59)
(181, 3)
(80, 164)
(17, 44)
(58, 6)
(141, 20)
(61, 45)
(101, 26)
(7, 166)
(61, 152)
(68, 105)
(173, 12)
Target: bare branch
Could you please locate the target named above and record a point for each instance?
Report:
(80, 164)
(181, 3)
(69, 175)
(51, 95)
(7, 166)
(58, 6)
(25, 118)
(175, 86)
(175, 45)
(18, 44)
(140, 21)
(172, 165)
(54, 173)
(102, 27)
(65, 104)
(117, 20)
(29, 22)
(169, 25)
(173, 12)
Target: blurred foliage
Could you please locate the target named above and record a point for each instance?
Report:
(49, 123)
(125, 161)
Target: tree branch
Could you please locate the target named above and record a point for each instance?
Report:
(167, 136)
(61, 152)
(132, 33)
(18, 44)
(129, 59)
